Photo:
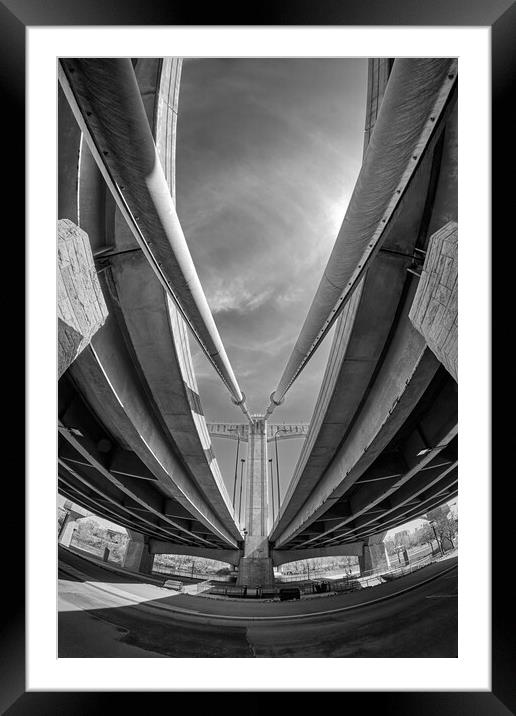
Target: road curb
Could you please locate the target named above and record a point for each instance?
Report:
(284, 617)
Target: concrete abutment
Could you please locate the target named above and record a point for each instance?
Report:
(81, 309)
(434, 310)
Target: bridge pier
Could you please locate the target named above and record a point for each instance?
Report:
(69, 525)
(374, 554)
(255, 567)
(138, 558)
(68, 528)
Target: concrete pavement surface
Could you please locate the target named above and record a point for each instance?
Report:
(108, 614)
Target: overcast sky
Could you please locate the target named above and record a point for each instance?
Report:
(268, 153)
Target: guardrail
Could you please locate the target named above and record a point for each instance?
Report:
(378, 576)
(350, 583)
(316, 574)
(350, 572)
(275, 592)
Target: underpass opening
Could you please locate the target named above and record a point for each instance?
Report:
(193, 567)
(317, 567)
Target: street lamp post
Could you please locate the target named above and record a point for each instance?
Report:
(236, 470)
(272, 486)
(278, 430)
(242, 460)
(436, 538)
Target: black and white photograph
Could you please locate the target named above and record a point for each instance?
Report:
(257, 354)
(258, 262)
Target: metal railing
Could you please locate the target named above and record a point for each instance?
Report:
(348, 571)
(317, 573)
(349, 583)
(375, 577)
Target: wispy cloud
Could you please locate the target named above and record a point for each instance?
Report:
(268, 152)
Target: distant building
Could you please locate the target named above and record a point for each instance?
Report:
(419, 533)
(402, 538)
(437, 512)
(114, 536)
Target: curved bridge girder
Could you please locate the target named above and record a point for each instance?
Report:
(105, 98)
(377, 374)
(381, 446)
(113, 375)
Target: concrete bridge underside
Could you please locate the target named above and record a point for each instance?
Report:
(382, 443)
(381, 447)
(134, 447)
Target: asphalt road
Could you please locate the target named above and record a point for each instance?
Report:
(104, 614)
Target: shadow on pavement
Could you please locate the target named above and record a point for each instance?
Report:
(122, 632)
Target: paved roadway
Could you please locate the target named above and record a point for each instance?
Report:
(107, 614)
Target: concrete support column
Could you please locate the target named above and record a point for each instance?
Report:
(255, 567)
(374, 555)
(137, 556)
(81, 309)
(69, 524)
(365, 562)
(67, 529)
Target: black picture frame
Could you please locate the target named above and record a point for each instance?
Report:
(500, 16)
